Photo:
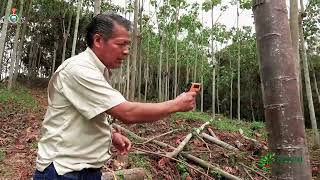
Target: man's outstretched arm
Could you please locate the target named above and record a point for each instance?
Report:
(135, 112)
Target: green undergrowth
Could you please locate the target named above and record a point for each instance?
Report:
(225, 124)
(19, 98)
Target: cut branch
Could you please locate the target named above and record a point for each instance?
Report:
(188, 156)
(158, 136)
(185, 141)
(218, 142)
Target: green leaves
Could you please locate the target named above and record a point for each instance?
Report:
(209, 4)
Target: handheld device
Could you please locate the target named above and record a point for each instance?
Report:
(193, 87)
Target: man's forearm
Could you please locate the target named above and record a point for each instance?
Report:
(134, 112)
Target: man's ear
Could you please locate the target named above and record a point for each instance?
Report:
(97, 40)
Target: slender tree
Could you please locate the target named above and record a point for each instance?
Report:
(280, 89)
(75, 34)
(14, 62)
(97, 7)
(4, 33)
(308, 84)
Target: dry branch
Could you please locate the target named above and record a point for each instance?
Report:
(219, 142)
(127, 174)
(185, 141)
(213, 134)
(158, 136)
(254, 171)
(188, 156)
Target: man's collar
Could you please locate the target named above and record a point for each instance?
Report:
(96, 60)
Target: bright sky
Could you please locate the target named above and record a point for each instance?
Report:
(228, 18)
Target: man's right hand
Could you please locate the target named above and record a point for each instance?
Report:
(185, 101)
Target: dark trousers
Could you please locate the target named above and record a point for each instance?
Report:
(50, 173)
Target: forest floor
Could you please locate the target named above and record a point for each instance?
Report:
(22, 111)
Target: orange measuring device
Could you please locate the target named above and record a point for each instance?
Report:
(193, 87)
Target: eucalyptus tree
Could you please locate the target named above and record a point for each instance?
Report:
(13, 62)
(284, 119)
(4, 33)
(22, 39)
(134, 51)
(75, 34)
(97, 7)
(308, 84)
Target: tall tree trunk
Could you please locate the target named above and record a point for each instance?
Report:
(75, 34)
(97, 7)
(217, 82)
(307, 83)
(134, 49)
(202, 72)
(140, 51)
(3, 8)
(239, 46)
(195, 62)
(176, 53)
(54, 56)
(128, 61)
(280, 89)
(294, 30)
(315, 81)
(4, 34)
(147, 69)
(20, 45)
(213, 71)
(66, 34)
(231, 86)
(160, 65)
(14, 62)
(167, 71)
(251, 106)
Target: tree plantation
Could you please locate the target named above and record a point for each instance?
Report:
(258, 63)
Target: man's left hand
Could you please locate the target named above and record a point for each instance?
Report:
(122, 143)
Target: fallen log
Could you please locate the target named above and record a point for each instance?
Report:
(188, 156)
(185, 141)
(127, 174)
(218, 142)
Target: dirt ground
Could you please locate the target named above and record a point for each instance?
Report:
(20, 131)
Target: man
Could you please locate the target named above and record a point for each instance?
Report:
(76, 135)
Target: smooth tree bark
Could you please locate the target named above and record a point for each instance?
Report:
(176, 53)
(140, 50)
(214, 62)
(231, 86)
(4, 33)
(14, 62)
(54, 56)
(280, 89)
(133, 59)
(97, 7)
(66, 34)
(315, 83)
(75, 34)
(308, 84)
(22, 39)
(239, 46)
(294, 30)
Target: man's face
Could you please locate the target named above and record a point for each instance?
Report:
(113, 51)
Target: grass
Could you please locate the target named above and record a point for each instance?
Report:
(225, 124)
(18, 95)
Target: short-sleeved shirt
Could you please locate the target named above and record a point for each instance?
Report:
(76, 133)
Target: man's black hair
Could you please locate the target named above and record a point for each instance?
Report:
(103, 24)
